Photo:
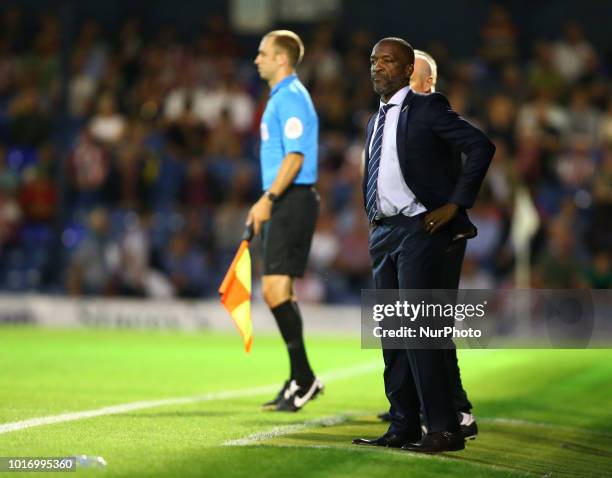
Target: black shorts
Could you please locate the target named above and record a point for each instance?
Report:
(287, 236)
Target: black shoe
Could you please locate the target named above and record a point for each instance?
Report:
(389, 439)
(469, 428)
(436, 442)
(384, 416)
(295, 396)
(272, 404)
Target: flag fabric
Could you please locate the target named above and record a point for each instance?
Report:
(525, 221)
(235, 293)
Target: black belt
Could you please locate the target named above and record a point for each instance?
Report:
(299, 186)
(411, 222)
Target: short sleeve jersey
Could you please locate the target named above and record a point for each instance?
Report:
(289, 125)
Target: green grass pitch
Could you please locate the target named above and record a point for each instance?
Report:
(541, 412)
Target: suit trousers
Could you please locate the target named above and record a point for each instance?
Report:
(404, 256)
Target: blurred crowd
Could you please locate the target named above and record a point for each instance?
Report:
(129, 161)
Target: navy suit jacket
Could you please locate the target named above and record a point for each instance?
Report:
(430, 136)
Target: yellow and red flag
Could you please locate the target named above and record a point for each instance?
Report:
(235, 293)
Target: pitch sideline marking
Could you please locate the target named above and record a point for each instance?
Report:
(255, 439)
(288, 429)
(338, 419)
(334, 375)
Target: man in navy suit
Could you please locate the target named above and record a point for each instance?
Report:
(423, 80)
(416, 192)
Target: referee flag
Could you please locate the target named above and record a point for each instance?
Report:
(235, 291)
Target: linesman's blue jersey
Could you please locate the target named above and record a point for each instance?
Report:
(289, 125)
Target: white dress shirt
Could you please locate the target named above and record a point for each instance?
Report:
(393, 195)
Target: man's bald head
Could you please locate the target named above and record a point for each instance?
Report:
(425, 73)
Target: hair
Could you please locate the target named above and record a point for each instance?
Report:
(433, 67)
(406, 48)
(290, 43)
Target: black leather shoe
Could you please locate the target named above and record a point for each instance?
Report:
(436, 442)
(389, 439)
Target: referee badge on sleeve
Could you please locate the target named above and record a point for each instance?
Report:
(265, 134)
(293, 128)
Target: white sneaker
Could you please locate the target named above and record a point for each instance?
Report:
(467, 422)
(296, 397)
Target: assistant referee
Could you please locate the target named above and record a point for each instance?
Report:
(287, 212)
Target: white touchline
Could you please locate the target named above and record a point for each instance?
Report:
(335, 420)
(339, 374)
(289, 429)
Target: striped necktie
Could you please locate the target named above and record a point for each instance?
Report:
(374, 164)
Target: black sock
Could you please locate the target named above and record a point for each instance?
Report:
(289, 322)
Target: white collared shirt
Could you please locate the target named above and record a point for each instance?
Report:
(393, 195)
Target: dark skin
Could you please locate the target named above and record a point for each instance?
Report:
(390, 70)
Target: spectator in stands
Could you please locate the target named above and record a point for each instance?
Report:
(498, 38)
(599, 231)
(605, 131)
(543, 75)
(558, 268)
(10, 209)
(599, 275)
(107, 126)
(583, 118)
(28, 123)
(95, 261)
(88, 171)
(577, 167)
(574, 56)
(185, 266)
(38, 196)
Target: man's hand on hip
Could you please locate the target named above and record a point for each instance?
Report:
(260, 213)
(437, 218)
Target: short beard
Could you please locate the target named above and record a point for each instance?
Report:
(381, 91)
(390, 87)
